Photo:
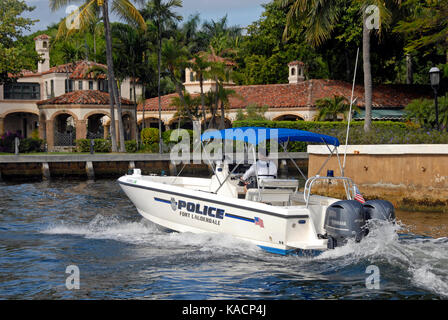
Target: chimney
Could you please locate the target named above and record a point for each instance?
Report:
(296, 72)
(42, 44)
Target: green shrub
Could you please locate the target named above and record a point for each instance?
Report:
(7, 143)
(382, 132)
(131, 146)
(150, 148)
(166, 136)
(31, 145)
(150, 136)
(101, 145)
(423, 112)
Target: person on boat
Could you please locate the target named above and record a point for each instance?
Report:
(263, 168)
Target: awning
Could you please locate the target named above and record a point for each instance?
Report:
(381, 114)
(256, 135)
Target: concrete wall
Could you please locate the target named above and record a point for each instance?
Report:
(388, 165)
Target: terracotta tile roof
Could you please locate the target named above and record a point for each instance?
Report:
(296, 63)
(213, 58)
(42, 37)
(78, 70)
(83, 97)
(305, 94)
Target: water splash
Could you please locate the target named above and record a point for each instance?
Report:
(423, 259)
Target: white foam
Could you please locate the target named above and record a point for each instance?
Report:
(145, 232)
(425, 259)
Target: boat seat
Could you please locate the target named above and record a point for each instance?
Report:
(268, 195)
(278, 183)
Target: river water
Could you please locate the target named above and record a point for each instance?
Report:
(47, 226)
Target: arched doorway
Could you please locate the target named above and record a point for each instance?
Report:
(182, 123)
(288, 117)
(95, 126)
(24, 124)
(150, 123)
(64, 130)
(216, 124)
(127, 127)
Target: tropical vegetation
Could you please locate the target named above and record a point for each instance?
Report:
(152, 44)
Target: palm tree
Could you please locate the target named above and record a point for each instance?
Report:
(330, 108)
(130, 49)
(320, 17)
(161, 13)
(175, 58)
(200, 66)
(220, 70)
(87, 13)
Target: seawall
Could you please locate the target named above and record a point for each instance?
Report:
(410, 176)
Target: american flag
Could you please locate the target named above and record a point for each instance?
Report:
(358, 195)
(259, 222)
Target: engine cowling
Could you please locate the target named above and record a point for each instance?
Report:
(343, 220)
(380, 210)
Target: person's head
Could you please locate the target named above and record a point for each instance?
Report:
(263, 153)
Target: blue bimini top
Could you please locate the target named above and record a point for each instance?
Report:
(256, 135)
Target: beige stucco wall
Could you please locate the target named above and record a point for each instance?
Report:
(387, 165)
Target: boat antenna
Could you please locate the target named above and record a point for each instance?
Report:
(350, 112)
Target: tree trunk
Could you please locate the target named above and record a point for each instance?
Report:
(409, 72)
(201, 83)
(110, 75)
(120, 117)
(159, 61)
(94, 44)
(367, 77)
(215, 105)
(136, 111)
(223, 115)
(347, 66)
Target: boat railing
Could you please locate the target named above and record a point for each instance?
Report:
(347, 182)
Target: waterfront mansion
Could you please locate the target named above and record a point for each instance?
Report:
(70, 101)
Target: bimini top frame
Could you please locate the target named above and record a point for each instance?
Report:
(259, 135)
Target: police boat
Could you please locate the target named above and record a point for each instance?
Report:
(276, 215)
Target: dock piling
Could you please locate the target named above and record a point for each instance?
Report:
(45, 171)
(90, 171)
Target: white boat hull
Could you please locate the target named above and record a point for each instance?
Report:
(275, 229)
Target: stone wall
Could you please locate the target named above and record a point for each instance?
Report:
(408, 175)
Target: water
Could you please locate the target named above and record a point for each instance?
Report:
(47, 226)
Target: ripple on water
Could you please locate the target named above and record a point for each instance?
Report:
(48, 226)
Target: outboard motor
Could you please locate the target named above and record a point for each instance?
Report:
(380, 210)
(344, 219)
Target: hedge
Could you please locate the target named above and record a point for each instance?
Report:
(382, 132)
(101, 145)
(150, 136)
(7, 143)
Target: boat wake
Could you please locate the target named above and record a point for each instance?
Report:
(400, 256)
(420, 260)
(145, 232)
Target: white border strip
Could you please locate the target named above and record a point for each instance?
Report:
(385, 149)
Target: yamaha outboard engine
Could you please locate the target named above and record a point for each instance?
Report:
(344, 219)
(380, 210)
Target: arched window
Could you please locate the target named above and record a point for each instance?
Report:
(293, 71)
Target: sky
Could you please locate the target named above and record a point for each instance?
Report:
(240, 12)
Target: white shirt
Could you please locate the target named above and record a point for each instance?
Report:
(262, 168)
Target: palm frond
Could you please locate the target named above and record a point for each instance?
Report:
(81, 18)
(126, 10)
